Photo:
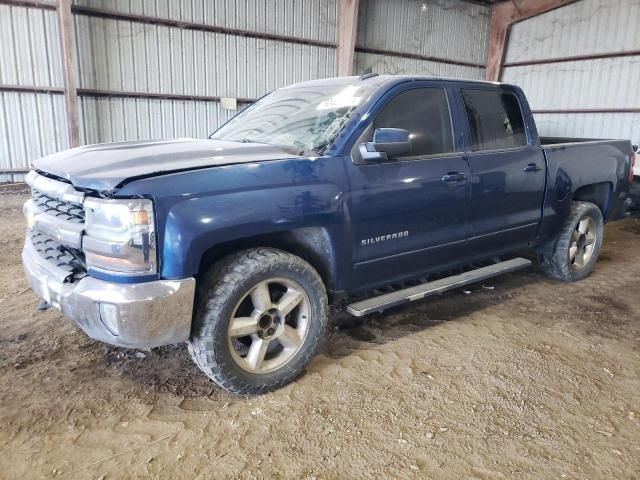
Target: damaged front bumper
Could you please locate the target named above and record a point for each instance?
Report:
(137, 315)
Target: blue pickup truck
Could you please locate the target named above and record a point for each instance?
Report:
(236, 243)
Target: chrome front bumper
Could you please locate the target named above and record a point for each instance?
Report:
(139, 315)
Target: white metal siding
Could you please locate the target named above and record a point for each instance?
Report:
(29, 47)
(600, 83)
(129, 56)
(310, 19)
(136, 57)
(584, 28)
(448, 29)
(120, 119)
(31, 125)
(602, 125)
(386, 64)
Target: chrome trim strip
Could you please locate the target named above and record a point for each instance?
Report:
(66, 232)
(54, 188)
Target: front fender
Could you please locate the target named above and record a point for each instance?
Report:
(200, 209)
(197, 225)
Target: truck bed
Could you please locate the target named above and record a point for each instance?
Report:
(600, 166)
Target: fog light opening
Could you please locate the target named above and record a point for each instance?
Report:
(110, 317)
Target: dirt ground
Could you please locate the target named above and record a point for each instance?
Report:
(529, 379)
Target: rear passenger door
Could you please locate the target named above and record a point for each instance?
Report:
(409, 214)
(507, 172)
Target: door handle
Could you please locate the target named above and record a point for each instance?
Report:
(453, 177)
(532, 167)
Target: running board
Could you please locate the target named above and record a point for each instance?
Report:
(378, 304)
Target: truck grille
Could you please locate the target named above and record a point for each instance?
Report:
(55, 235)
(59, 208)
(68, 259)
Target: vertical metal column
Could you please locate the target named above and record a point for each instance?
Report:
(65, 24)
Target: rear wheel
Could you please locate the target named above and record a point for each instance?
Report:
(260, 317)
(574, 253)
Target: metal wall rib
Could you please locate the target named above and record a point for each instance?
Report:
(582, 29)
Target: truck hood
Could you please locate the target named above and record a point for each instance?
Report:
(105, 166)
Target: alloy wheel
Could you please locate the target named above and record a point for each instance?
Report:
(269, 325)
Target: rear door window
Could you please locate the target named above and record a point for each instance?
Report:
(424, 113)
(495, 119)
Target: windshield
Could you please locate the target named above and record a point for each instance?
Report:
(305, 118)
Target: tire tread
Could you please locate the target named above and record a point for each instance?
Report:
(217, 286)
(554, 262)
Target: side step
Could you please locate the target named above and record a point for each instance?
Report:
(378, 304)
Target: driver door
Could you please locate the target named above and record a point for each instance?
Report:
(409, 214)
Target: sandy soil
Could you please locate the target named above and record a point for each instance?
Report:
(530, 379)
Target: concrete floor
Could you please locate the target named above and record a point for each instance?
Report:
(524, 377)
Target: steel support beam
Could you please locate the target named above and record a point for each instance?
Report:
(503, 16)
(65, 26)
(347, 29)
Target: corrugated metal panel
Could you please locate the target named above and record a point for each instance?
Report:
(385, 64)
(448, 29)
(600, 125)
(129, 56)
(29, 47)
(602, 83)
(118, 119)
(311, 19)
(31, 125)
(583, 28)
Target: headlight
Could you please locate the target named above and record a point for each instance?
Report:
(120, 236)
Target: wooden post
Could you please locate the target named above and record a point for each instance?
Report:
(347, 29)
(65, 26)
(503, 16)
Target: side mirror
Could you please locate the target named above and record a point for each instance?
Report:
(635, 148)
(387, 143)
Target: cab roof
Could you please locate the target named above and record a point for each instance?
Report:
(385, 80)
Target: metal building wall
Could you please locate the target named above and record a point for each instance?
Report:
(152, 68)
(312, 19)
(31, 124)
(429, 37)
(580, 66)
(133, 56)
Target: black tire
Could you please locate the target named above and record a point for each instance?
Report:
(221, 293)
(555, 258)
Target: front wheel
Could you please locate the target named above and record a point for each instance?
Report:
(260, 316)
(574, 253)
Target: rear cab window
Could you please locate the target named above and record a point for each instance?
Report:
(495, 119)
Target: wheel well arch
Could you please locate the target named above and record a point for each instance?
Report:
(312, 244)
(596, 193)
